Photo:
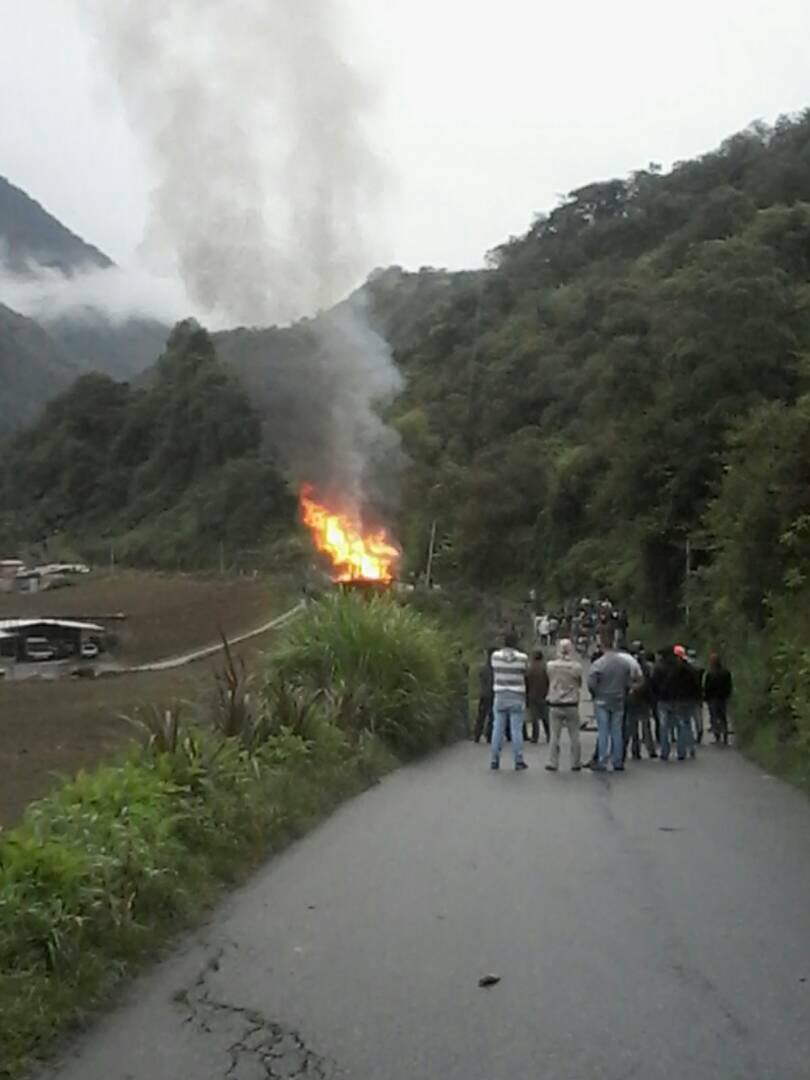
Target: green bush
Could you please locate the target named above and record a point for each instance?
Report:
(101, 871)
(387, 670)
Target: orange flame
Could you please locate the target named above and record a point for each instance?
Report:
(355, 555)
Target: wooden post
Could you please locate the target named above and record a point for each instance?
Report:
(431, 551)
(687, 587)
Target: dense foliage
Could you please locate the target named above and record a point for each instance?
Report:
(166, 475)
(566, 411)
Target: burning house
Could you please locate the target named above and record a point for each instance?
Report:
(358, 557)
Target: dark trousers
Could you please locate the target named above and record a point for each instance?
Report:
(718, 719)
(538, 714)
(484, 719)
(638, 717)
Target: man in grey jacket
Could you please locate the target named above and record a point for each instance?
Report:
(609, 682)
(564, 688)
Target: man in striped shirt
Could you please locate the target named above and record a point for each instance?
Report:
(509, 667)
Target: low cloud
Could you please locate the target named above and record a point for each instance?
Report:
(116, 295)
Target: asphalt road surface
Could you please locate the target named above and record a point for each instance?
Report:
(650, 925)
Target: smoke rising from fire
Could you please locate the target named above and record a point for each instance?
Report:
(253, 119)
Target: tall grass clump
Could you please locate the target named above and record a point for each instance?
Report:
(387, 669)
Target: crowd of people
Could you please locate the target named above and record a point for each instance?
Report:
(641, 700)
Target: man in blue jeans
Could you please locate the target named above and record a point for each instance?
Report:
(509, 667)
(677, 689)
(609, 682)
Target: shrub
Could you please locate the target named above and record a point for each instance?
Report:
(386, 670)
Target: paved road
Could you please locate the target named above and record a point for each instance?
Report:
(655, 925)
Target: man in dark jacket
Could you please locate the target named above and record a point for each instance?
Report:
(639, 708)
(718, 687)
(676, 688)
(486, 696)
(536, 693)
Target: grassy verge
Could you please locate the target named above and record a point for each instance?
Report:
(104, 870)
(782, 760)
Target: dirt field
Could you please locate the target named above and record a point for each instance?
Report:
(166, 615)
(51, 729)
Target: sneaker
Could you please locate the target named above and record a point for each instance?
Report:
(618, 768)
(494, 765)
(520, 766)
(551, 768)
(576, 768)
(653, 756)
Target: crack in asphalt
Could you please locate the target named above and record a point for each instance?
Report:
(253, 1047)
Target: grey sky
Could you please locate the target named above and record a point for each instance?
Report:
(486, 112)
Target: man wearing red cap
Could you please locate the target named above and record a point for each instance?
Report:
(677, 686)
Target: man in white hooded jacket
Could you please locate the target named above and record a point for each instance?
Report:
(564, 690)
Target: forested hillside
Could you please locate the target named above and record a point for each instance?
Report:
(567, 412)
(32, 367)
(632, 374)
(171, 476)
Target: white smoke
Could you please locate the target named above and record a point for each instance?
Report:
(253, 120)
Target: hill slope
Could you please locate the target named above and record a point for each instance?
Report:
(30, 239)
(29, 234)
(32, 368)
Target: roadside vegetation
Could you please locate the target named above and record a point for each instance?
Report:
(100, 872)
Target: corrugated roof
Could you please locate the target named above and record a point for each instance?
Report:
(65, 624)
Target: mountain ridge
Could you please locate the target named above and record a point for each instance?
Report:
(30, 234)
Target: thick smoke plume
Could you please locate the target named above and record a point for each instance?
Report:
(253, 121)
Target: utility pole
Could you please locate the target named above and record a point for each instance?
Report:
(687, 587)
(431, 551)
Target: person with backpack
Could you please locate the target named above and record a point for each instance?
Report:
(718, 687)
